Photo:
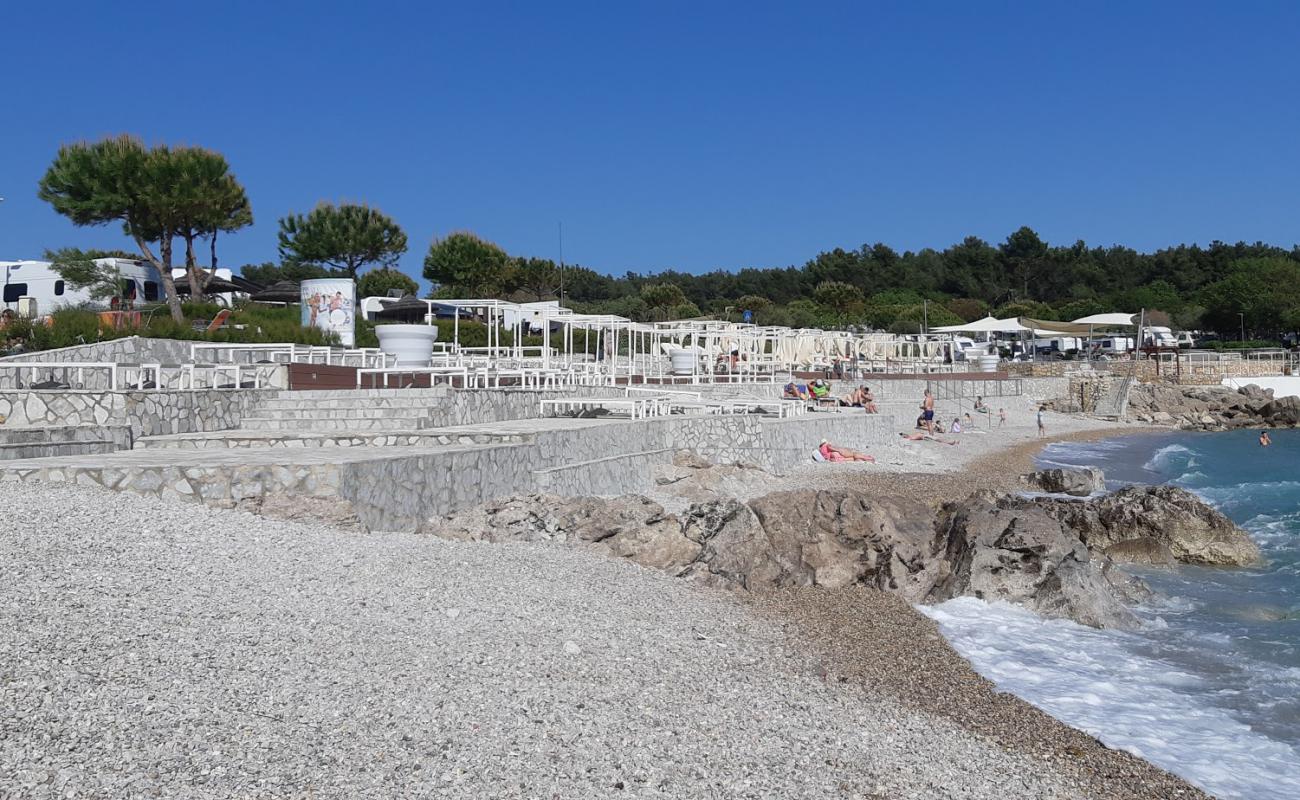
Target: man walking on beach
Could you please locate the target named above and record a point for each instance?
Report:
(927, 411)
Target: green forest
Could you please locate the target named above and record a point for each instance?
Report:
(1238, 290)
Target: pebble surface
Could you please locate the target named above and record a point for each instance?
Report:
(155, 649)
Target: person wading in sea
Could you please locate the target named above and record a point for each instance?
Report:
(1264, 441)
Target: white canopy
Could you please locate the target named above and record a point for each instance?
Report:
(1122, 320)
(989, 324)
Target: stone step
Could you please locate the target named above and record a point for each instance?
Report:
(13, 451)
(353, 402)
(341, 413)
(333, 424)
(343, 394)
(281, 438)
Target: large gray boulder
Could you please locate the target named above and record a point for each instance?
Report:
(1284, 411)
(734, 548)
(1142, 523)
(834, 538)
(1013, 551)
(1078, 482)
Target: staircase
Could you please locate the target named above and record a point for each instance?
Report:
(1115, 402)
(371, 412)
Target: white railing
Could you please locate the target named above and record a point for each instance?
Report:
(114, 377)
(224, 352)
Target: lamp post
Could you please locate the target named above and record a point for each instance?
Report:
(1242, 317)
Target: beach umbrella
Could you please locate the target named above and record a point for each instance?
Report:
(214, 286)
(280, 292)
(408, 308)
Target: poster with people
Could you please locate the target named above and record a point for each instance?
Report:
(330, 304)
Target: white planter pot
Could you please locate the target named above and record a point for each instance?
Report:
(412, 344)
(683, 361)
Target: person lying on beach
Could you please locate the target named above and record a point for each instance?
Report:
(918, 437)
(796, 391)
(862, 398)
(835, 453)
(819, 390)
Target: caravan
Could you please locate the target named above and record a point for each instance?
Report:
(33, 288)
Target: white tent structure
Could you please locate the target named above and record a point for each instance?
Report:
(1113, 320)
(989, 324)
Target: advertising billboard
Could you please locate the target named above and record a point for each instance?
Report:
(330, 304)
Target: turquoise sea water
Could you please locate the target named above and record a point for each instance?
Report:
(1210, 687)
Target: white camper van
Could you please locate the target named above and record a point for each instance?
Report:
(1159, 336)
(33, 288)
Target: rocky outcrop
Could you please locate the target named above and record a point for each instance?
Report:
(332, 512)
(1078, 482)
(630, 526)
(1155, 524)
(1055, 556)
(1212, 407)
(1018, 553)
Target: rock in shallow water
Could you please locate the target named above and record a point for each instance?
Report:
(1134, 522)
(1020, 554)
(1078, 482)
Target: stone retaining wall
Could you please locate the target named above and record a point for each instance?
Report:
(145, 413)
(62, 440)
(127, 350)
(399, 490)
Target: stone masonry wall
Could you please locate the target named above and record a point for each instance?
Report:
(127, 350)
(61, 440)
(145, 413)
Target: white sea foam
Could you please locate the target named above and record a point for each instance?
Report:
(1095, 681)
(1169, 454)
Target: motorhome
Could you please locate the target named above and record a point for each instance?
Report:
(1159, 336)
(1112, 345)
(33, 288)
(1058, 344)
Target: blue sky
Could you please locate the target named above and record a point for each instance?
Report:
(688, 135)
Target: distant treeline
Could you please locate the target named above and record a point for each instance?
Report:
(1219, 287)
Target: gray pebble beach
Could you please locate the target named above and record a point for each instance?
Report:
(153, 649)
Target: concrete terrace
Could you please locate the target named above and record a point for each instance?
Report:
(396, 457)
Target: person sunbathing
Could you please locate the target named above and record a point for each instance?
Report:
(796, 391)
(862, 398)
(979, 405)
(835, 453)
(918, 436)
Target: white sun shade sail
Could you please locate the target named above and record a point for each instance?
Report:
(1108, 320)
(989, 324)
